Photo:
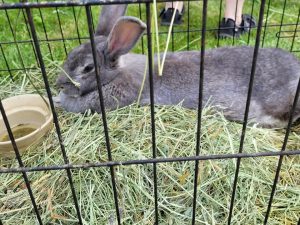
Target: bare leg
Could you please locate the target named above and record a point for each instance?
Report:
(233, 10)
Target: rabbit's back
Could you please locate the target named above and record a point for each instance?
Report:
(226, 80)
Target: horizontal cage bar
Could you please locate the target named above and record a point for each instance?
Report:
(150, 161)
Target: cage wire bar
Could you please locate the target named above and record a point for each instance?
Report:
(295, 31)
(188, 27)
(199, 118)
(266, 23)
(16, 44)
(61, 31)
(153, 135)
(219, 25)
(55, 118)
(249, 94)
(151, 161)
(76, 22)
(282, 149)
(103, 112)
(27, 28)
(29, 34)
(154, 160)
(75, 3)
(160, 33)
(6, 63)
(250, 28)
(142, 39)
(282, 17)
(20, 162)
(64, 39)
(45, 32)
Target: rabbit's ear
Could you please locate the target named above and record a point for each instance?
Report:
(124, 36)
(108, 17)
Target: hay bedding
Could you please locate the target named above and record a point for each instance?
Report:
(130, 136)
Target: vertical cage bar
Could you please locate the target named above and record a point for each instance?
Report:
(142, 38)
(61, 31)
(255, 54)
(234, 26)
(24, 174)
(249, 33)
(220, 17)
(149, 43)
(92, 19)
(198, 143)
(103, 113)
(172, 31)
(45, 32)
(188, 26)
(76, 24)
(295, 32)
(6, 63)
(266, 24)
(24, 17)
(55, 119)
(288, 129)
(281, 22)
(15, 41)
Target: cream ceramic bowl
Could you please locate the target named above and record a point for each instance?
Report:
(29, 118)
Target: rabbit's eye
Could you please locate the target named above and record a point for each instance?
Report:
(88, 68)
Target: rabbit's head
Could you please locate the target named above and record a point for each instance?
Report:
(115, 36)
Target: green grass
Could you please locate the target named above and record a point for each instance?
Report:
(130, 136)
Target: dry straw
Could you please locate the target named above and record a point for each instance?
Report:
(130, 136)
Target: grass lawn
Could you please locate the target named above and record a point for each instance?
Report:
(130, 134)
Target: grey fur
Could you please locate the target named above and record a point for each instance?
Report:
(226, 79)
(106, 20)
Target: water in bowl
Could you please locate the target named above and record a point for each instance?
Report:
(19, 131)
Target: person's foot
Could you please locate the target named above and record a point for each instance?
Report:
(248, 22)
(166, 16)
(229, 29)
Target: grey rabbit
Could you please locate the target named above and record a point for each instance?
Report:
(226, 75)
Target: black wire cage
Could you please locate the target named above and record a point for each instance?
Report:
(29, 42)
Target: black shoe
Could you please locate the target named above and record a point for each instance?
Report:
(228, 29)
(248, 22)
(166, 17)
